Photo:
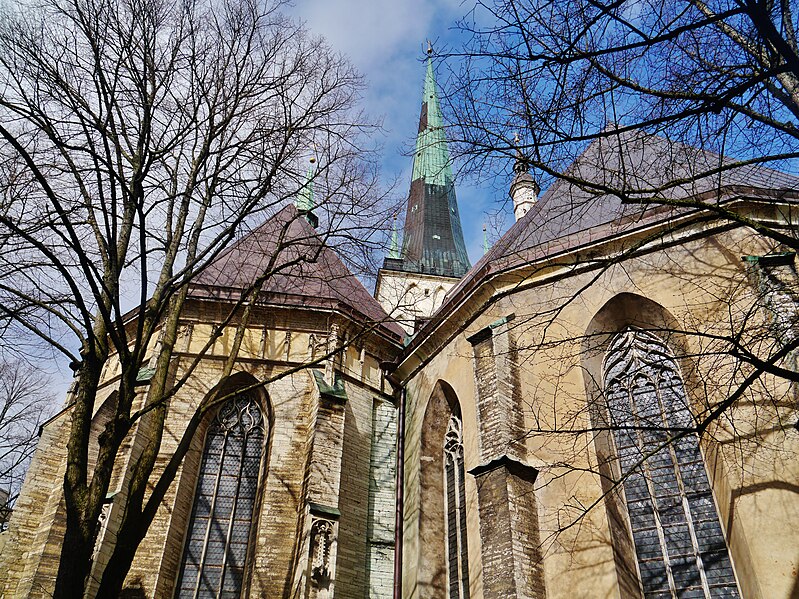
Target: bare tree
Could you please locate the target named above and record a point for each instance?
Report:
(675, 111)
(623, 107)
(25, 403)
(139, 139)
(716, 76)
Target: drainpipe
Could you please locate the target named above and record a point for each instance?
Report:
(398, 524)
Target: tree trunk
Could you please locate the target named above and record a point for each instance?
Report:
(75, 563)
(76, 552)
(129, 538)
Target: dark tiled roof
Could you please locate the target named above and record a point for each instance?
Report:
(306, 272)
(648, 168)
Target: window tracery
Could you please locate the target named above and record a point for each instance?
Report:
(215, 553)
(679, 544)
(455, 502)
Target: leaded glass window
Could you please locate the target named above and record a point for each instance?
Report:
(455, 502)
(214, 557)
(679, 544)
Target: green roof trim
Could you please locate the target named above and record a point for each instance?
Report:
(779, 259)
(488, 331)
(318, 509)
(500, 321)
(336, 391)
(431, 160)
(144, 375)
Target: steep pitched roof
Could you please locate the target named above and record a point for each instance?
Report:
(649, 169)
(304, 271)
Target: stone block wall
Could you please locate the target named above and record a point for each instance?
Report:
(500, 415)
(509, 531)
(409, 297)
(319, 452)
(382, 500)
(29, 561)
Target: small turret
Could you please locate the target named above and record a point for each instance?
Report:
(523, 189)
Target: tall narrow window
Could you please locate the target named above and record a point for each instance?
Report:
(221, 521)
(455, 502)
(679, 544)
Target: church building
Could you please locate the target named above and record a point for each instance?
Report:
(525, 427)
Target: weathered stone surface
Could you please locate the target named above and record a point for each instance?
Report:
(511, 541)
(317, 453)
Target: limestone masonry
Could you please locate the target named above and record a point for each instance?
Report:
(524, 427)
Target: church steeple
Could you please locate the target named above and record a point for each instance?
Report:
(414, 281)
(433, 238)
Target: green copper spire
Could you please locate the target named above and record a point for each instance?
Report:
(431, 160)
(485, 240)
(304, 200)
(432, 242)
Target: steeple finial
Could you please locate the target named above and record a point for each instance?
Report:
(485, 240)
(431, 159)
(305, 197)
(429, 48)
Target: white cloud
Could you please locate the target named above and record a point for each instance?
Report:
(385, 40)
(372, 32)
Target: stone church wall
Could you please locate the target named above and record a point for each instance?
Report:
(317, 469)
(700, 284)
(382, 500)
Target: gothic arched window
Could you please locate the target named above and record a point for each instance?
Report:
(455, 506)
(679, 544)
(219, 532)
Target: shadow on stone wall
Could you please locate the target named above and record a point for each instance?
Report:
(135, 590)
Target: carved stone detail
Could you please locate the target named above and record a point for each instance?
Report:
(102, 521)
(322, 542)
(317, 344)
(287, 346)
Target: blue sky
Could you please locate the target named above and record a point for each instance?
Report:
(386, 40)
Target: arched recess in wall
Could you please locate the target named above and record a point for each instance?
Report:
(665, 528)
(443, 569)
(407, 302)
(218, 499)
